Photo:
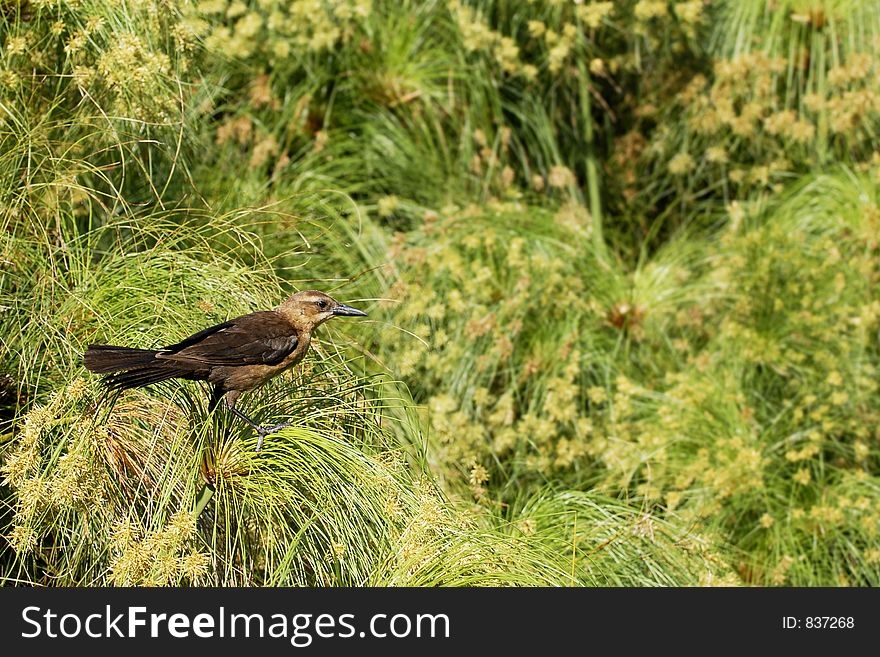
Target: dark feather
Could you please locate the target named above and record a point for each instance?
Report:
(144, 377)
(216, 395)
(103, 358)
(261, 338)
(195, 338)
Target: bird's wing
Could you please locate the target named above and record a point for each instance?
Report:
(195, 338)
(261, 338)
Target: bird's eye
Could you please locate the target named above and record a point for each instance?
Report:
(322, 303)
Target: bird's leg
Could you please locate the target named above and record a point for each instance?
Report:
(216, 395)
(262, 432)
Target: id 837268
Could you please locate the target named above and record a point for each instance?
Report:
(818, 622)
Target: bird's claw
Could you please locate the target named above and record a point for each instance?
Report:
(262, 432)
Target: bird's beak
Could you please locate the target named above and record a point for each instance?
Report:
(347, 311)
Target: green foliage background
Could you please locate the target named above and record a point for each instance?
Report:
(620, 259)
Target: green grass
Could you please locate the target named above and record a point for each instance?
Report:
(619, 259)
(145, 489)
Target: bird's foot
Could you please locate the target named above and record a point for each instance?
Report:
(262, 432)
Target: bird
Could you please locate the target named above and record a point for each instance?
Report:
(234, 356)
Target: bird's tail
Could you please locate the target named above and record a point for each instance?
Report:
(127, 367)
(105, 358)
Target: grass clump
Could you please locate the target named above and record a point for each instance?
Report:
(521, 334)
(620, 260)
(791, 90)
(147, 490)
(327, 499)
(728, 381)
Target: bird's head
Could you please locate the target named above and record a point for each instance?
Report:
(311, 308)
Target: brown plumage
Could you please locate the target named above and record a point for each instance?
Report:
(237, 355)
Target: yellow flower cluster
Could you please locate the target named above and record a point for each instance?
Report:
(552, 38)
(477, 35)
(162, 557)
(123, 71)
(750, 113)
(594, 13)
(508, 379)
(134, 72)
(274, 30)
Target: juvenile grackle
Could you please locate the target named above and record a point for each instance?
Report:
(237, 355)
